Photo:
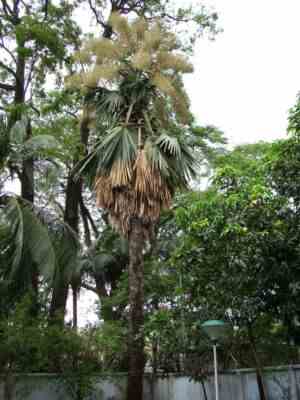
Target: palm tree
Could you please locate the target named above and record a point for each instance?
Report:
(141, 116)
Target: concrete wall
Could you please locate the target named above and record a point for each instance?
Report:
(281, 383)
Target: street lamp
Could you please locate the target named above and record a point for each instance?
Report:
(216, 330)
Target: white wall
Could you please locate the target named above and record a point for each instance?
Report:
(281, 383)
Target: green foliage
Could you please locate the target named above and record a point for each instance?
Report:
(29, 240)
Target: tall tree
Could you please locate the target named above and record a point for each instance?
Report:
(34, 40)
(239, 246)
(142, 157)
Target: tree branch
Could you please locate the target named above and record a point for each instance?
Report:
(8, 69)
(7, 87)
(87, 233)
(46, 9)
(91, 221)
(8, 11)
(94, 11)
(130, 8)
(16, 7)
(89, 217)
(31, 105)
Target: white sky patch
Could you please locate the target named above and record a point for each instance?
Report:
(248, 78)
(87, 308)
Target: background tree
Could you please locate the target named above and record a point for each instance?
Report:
(239, 239)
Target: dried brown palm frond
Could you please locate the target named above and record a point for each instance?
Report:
(104, 192)
(149, 183)
(142, 196)
(121, 173)
(143, 174)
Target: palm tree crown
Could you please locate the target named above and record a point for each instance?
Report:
(141, 113)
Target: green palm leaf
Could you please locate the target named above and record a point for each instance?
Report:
(118, 145)
(169, 145)
(67, 246)
(30, 240)
(156, 157)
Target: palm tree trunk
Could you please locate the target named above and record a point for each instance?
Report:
(136, 312)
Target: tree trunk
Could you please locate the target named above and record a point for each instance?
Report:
(71, 217)
(75, 309)
(202, 382)
(136, 312)
(58, 303)
(27, 176)
(27, 172)
(9, 386)
(258, 367)
(27, 193)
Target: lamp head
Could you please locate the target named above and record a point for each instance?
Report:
(215, 329)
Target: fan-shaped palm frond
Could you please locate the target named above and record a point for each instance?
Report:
(169, 145)
(117, 151)
(30, 243)
(67, 246)
(37, 241)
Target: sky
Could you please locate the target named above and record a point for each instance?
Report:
(247, 79)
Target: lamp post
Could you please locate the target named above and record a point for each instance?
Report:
(216, 330)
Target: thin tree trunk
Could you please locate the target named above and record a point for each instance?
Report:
(9, 386)
(58, 303)
(71, 217)
(27, 176)
(75, 309)
(202, 382)
(136, 312)
(258, 367)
